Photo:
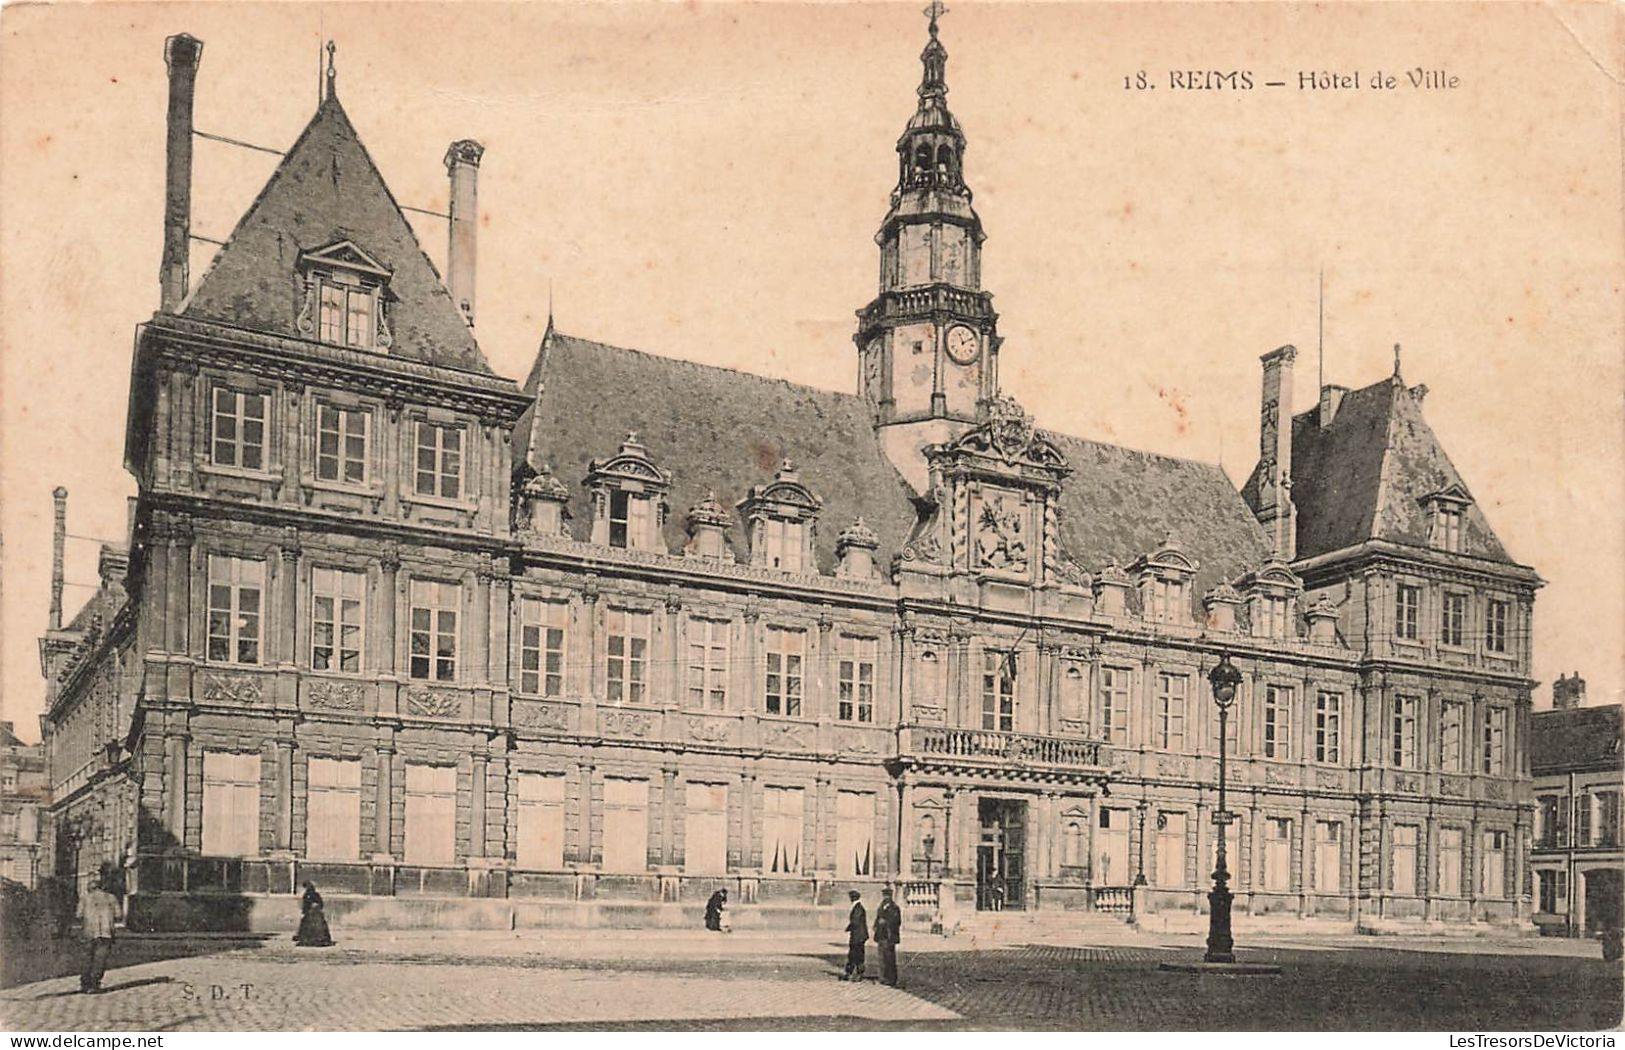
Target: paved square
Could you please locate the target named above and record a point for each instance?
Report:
(587, 979)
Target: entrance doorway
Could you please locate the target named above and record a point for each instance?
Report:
(1602, 900)
(1000, 852)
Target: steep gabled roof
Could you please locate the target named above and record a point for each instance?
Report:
(719, 430)
(1368, 475)
(1575, 738)
(327, 190)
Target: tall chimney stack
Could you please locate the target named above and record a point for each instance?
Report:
(463, 166)
(59, 539)
(1275, 510)
(181, 54)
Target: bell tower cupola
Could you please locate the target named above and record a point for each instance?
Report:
(928, 343)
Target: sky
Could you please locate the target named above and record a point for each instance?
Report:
(704, 181)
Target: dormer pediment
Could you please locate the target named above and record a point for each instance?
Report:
(1007, 445)
(1454, 494)
(1273, 577)
(631, 466)
(345, 255)
(1169, 560)
(785, 496)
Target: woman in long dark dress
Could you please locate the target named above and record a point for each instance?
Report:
(313, 931)
(714, 908)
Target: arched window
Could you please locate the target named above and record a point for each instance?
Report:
(928, 836)
(922, 159)
(945, 159)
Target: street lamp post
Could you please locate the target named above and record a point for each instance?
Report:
(929, 842)
(1224, 678)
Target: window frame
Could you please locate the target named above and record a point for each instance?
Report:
(1407, 611)
(437, 665)
(1497, 625)
(855, 691)
(707, 684)
(1402, 731)
(540, 618)
(337, 625)
(784, 541)
(999, 673)
(784, 681)
(235, 637)
(442, 452)
(1328, 727)
(238, 442)
(334, 320)
(343, 457)
(1277, 720)
(1170, 715)
(626, 673)
(1116, 731)
(1453, 617)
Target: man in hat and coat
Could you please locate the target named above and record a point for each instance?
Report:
(888, 931)
(857, 932)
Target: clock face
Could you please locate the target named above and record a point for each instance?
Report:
(963, 345)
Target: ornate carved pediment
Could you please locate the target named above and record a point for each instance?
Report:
(1454, 494)
(1009, 437)
(631, 463)
(710, 730)
(626, 723)
(434, 703)
(541, 716)
(345, 255)
(232, 689)
(784, 496)
(1169, 560)
(335, 696)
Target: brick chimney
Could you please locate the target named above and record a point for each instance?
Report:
(1275, 510)
(1331, 399)
(181, 54)
(1568, 692)
(463, 167)
(59, 539)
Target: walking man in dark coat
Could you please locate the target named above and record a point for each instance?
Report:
(857, 932)
(888, 931)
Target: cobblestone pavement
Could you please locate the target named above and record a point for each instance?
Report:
(587, 979)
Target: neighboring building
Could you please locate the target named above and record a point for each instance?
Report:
(1577, 859)
(24, 792)
(596, 645)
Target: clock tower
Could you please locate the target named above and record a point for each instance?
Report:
(928, 343)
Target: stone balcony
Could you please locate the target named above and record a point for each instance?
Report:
(1024, 755)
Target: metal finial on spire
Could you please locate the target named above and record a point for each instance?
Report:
(1396, 360)
(935, 10)
(332, 73)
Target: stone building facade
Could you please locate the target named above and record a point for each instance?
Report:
(1578, 861)
(23, 796)
(585, 648)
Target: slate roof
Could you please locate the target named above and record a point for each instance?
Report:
(327, 189)
(723, 430)
(1366, 475)
(1575, 738)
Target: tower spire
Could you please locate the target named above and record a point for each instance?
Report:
(934, 84)
(332, 73)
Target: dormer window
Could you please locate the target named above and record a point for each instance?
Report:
(345, 291)
(1164, 580)
(780, 517)
(628, 498)
(1447, 511)
(1272, 596)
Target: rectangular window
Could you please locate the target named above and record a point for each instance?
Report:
(854, 834)
(1582, 819)
(1275, 616)
(998, 691)
(626, 642)
(1113, 863)
(1328, 727)
(705, 830)
(540, 802)
(337, 600)
(1407, 611)
(1166, 601)
(1496, 614)
(1495, 864)
(631, 521)
(1450, 862)
(541, 646)
(1447, 528)
(1172, 692)
(440, 460)
(1495, 740)
(619, 523)
(341, 444)
(236, 594)
(333, 809)
(231, 804)
(785, 544)
(1278, 854)
(435, 610)
(856, 702)
(1114, 703)
(708, 663)
(1404, 879)
(1403, 732)
(1454, 630)
(1328, 856)
(237, 437)
(1278, 722)
(1451, 715)
(786, 650)
(781, 829)
(347, 315)
(626, 826)
(431, 814)
(1550, 898)
(1605, 829)
(1171, 850)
